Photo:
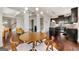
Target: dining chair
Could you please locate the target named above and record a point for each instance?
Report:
(14, 42)
(5, 36)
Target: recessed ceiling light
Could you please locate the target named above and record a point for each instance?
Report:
(36, 9)
(24, 11)
(26, 8)
(41, 12)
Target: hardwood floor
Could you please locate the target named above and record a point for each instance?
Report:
(67, 45)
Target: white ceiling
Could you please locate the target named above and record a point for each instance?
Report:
(56, 11)
(10, 12)
(50, 11)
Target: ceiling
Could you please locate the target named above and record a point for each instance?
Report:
(49, 11)
(56, 11)
(9, 12)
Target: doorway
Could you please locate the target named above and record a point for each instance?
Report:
(32, 25)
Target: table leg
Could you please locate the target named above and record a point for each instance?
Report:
(33, 48)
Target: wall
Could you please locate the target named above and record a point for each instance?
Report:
(46, 23)
(13, 23)
(20, 21)
(1, 27)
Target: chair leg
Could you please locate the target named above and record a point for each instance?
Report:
(4, 43)
(52, 47)
(47, 47)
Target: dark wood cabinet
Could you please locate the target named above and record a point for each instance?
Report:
(71, 33)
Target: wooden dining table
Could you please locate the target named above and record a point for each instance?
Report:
(32, 37)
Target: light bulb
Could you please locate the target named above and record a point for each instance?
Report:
(26, 9)
(41, 12)
(36, 9)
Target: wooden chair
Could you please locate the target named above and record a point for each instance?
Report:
(14, 42)
(43, 35)
(4, 36)
(19, 31)
(50, 42)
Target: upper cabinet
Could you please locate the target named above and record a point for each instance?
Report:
(74, 14)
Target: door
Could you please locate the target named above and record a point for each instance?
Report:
(32, 25)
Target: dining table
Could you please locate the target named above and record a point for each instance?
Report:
(32, 37)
